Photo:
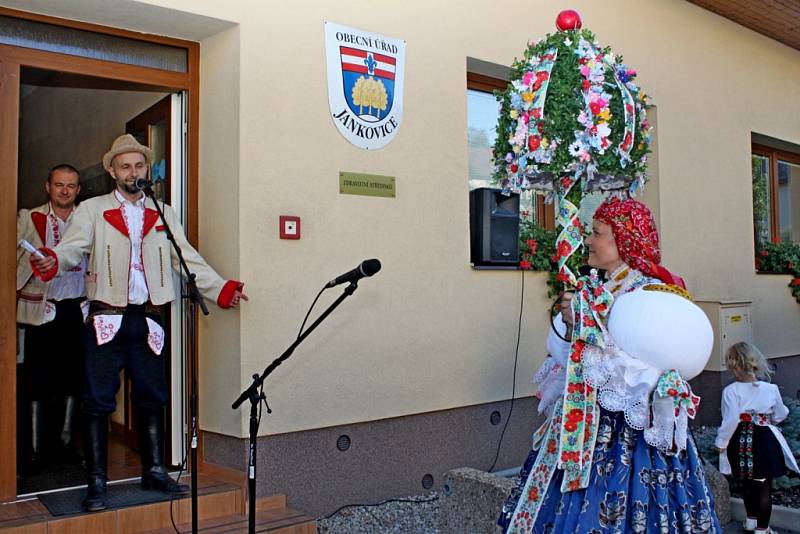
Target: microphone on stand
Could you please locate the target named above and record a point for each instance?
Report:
(366, 268)
(142, 184)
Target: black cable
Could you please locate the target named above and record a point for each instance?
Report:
(553, 316)
(172, 495)
(372, 505)
(309, 311)
(514, 379)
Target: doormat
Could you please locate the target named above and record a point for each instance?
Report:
(62, 476)
(119, 496)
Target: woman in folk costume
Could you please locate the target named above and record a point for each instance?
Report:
(614, 455)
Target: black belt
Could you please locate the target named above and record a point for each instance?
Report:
(97, 307)
(67, 301)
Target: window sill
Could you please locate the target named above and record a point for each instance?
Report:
(496, 267)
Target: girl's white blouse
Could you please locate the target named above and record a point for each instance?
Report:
(756, 398)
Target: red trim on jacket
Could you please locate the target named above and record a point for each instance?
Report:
(150, 220)
(225, 298)
(114, 218)
(49, 275)
(40, 223)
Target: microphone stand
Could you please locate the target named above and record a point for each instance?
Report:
(254, 393)
(195, 299)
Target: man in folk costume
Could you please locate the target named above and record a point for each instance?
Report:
(51, 311)
(129, 282)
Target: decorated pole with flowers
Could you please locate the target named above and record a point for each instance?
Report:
(572, 114)
(572, 120)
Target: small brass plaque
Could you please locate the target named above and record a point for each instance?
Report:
(371, 185)
(736, 318)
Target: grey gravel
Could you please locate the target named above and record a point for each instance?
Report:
(418, 517)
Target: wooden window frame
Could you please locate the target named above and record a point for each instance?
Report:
(545, 213)
(773, 155)
(12, 60)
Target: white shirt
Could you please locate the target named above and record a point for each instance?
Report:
(133, 214)
(755, 398)
(68, 285)
(751, 397)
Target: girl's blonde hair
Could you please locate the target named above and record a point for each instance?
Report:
(744, 359)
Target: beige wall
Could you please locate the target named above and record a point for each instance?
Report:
(427, 332)
(221, 368)
(65, 125)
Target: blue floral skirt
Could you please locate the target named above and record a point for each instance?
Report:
(633, 487)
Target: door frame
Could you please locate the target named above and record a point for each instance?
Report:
(12, 59)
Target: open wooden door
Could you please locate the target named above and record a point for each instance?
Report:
(9, 140)
(161, 128)
(120, 70)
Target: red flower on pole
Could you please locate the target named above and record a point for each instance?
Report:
(525, 265)
(534, 141)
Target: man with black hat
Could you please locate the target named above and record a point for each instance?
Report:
(128, 282)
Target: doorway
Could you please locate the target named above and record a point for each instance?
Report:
(73, 119)
(30, 73)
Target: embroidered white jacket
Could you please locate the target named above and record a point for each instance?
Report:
(98, 229)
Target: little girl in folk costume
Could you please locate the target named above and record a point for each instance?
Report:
(751, 447)
(614, 455)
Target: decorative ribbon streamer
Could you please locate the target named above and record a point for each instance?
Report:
(580, 414)
(535, 488)
(535, 82)
(671, 384)
(590, 309)
(629, 108)
(542, 79)
(570, 238)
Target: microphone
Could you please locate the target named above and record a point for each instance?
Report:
(366, 268)
(142, 183)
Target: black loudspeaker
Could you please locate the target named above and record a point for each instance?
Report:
(494, 227)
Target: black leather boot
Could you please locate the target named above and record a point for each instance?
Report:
(151, 448)
(35, 463)
(96, 461)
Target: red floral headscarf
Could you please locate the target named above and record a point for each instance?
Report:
(636, 237)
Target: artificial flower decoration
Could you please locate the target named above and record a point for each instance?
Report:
(572, 113)
(573, 108)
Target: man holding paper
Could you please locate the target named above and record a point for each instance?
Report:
(52, 312)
